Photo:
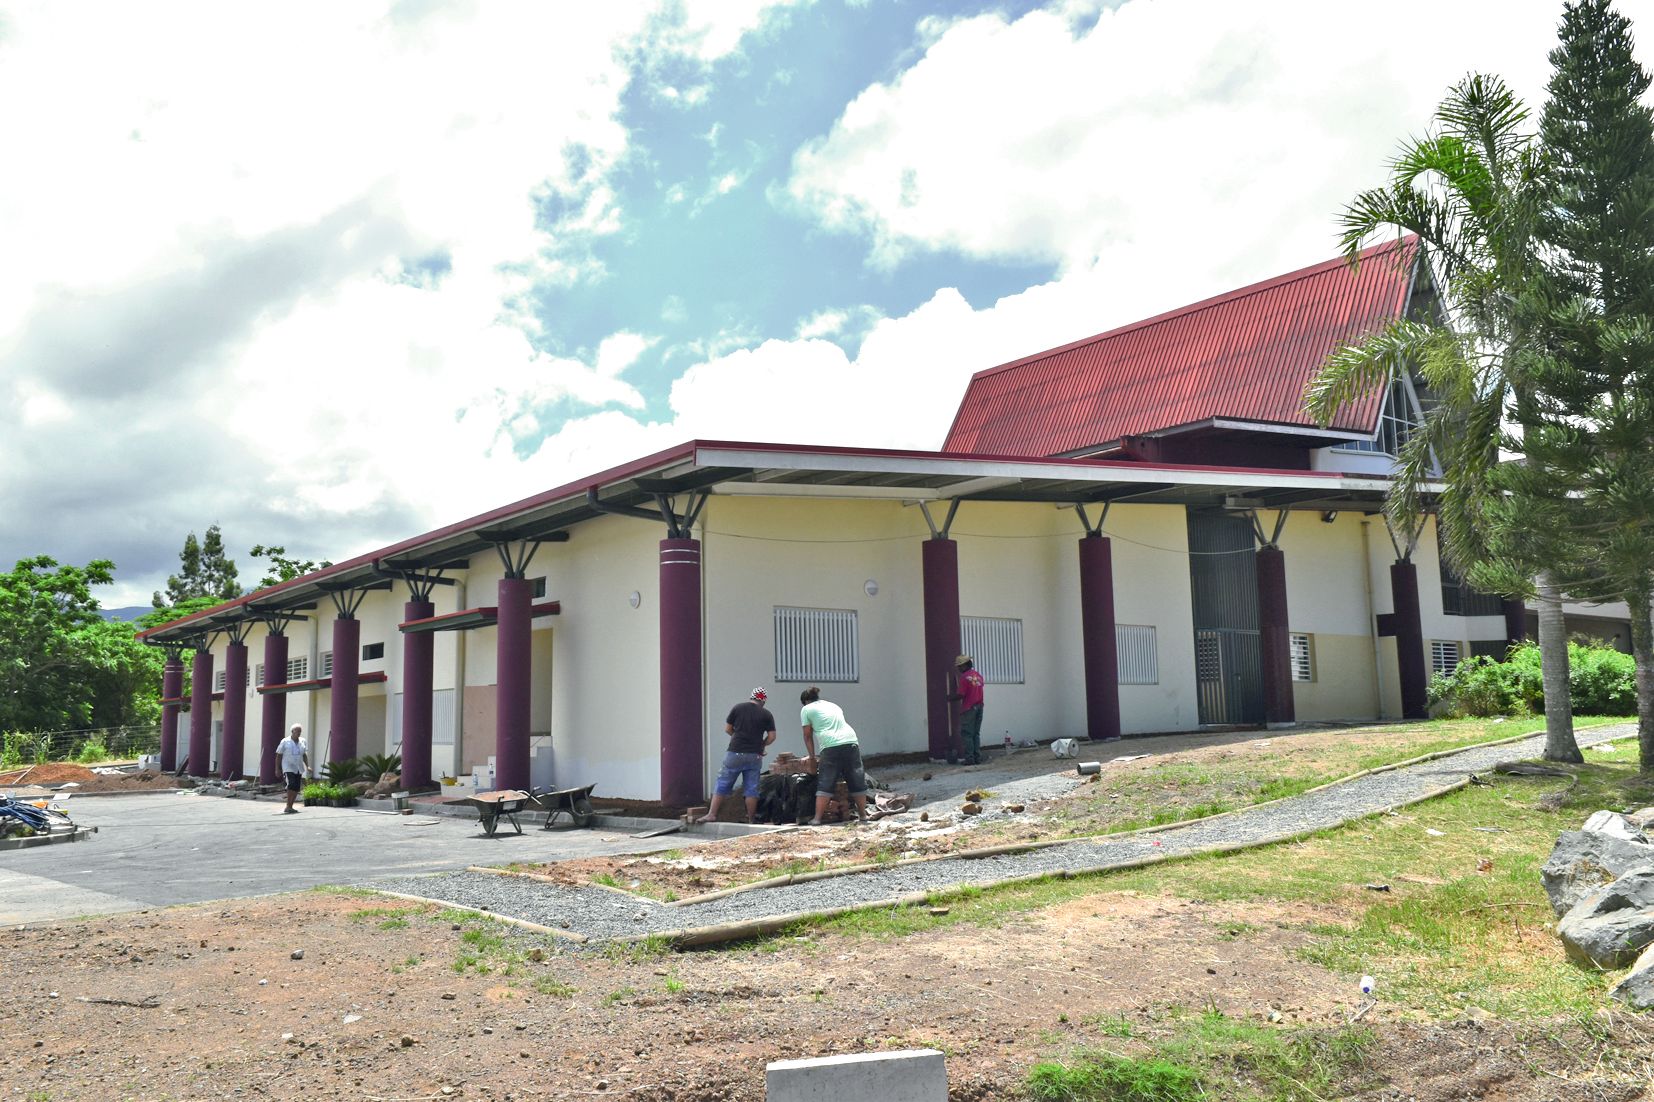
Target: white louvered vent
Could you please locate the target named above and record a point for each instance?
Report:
(298, 669)
(816, 644)
(1137, 654)
(995, 643)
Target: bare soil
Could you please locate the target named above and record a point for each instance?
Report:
(55, 774)
(170, 1005)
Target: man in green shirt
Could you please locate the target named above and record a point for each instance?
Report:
(840, 755)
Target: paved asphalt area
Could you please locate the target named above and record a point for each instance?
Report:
(161, 849)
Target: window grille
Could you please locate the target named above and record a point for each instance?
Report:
(219, 677)
(816, 644)
(1208, 656)
(1137, 655)
(1303, 657)
(327, 664)
(1445, 656)
(995, 644)
(258, 673)
(298, 669)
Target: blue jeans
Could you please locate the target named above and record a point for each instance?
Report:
(745, 766)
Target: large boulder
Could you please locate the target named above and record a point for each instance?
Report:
(1637, 989)
(1585, 860)
(1615, 825)
(1609, 927)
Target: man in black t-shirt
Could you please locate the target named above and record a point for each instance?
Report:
(750, 728)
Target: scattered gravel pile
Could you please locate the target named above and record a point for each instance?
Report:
(602, 914)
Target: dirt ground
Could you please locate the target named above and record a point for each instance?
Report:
(56, 774)
(205, 1002)
(398, 1001)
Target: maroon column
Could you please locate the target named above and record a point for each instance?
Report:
(347, 662)
(231, 749)
(275, 709)
(1102, 661)
(418, 656)
(513, 678)
(172, 687)
(1404, 598)
(941, 581)
(200, 754)
(682, 760)
(1516, 621)
(1274, 639)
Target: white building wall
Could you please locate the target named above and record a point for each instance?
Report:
(1327, 599)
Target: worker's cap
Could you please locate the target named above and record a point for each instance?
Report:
(963, 660)
(760, 695)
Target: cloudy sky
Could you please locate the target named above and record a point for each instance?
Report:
(329, 275)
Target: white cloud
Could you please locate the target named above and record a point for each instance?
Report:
(1188, 145)
(268, 272)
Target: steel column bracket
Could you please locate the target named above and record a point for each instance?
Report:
(679, 526)
(346, 602)
(516, 554)
(1273, 539)
(930, 521)
(1092, 531)
(237, 631)
(422, 586)
(1411, 534)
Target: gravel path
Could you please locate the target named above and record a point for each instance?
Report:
(602, 914)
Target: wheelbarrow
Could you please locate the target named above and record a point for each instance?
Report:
(493, 806)
(575, 802)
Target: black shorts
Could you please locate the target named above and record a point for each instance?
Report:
(294, 781)
(838, 762)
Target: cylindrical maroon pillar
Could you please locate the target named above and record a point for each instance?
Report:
(1404, 597)
(274, 711)
(1102, 661)
(200, 755)
(940, 560)
(682, 754)
(231, 748)
(172, 687)
(418, 657)
(1516, 620)
(347, 663)
(514, 678)
(1274, 638)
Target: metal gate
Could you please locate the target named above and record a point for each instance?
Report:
(1223, 577)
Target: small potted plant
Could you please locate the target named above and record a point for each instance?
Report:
(315, 794)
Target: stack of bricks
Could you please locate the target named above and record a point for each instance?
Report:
(786, 763)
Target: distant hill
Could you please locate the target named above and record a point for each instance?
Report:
(131, 612)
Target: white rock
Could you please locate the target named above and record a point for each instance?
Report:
(1613, 824)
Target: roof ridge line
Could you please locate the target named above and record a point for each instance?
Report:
(1195, 307)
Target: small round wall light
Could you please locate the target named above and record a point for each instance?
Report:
(634, 598)
(870, 587)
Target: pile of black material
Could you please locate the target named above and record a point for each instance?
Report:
(786, 798)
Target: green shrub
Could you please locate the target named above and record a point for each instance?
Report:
(315, 790)
(1601, 681)
(341, 772)
(1479, 687)
(370, 767)
(93, 750)
(19, 749)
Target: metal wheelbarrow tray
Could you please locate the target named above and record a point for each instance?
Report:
(493, 806)
(575, 802)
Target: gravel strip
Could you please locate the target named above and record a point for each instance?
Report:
(603, 915)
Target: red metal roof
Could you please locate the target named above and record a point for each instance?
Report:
(1245, 355)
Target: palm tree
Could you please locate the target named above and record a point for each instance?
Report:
(1466, 193)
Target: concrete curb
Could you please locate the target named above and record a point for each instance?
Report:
(79, 834)
(568, 935)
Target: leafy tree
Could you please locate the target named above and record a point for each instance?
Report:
(205, 572)
(1588, 421)
(1468, 191)
(61, 664)
(282, 568)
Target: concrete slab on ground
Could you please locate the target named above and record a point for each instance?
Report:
(159, 850)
